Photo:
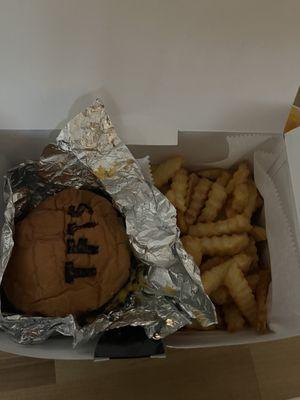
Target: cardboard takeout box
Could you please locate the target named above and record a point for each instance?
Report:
(200, 148)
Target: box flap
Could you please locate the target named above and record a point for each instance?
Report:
(293, 120)
(292, 140)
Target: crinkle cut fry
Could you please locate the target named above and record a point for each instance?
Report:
(215, 202)
(261, 298)
(252, 280)
(229, 211)
(211, 173)
(236, 224)
(193, 248)
(258, 233)
(179, 189)
(240, 176)
(251, 205)
(214, 278)
(241, 293)
(259, 201)
(240, 197)
(251, 250)
(233, 318)
(181, 222)
(224, 178)
(212, 262)
(166, 170)
(170, 195)
(192, 182)
(224, 245)
(198, 200)
(220, 296)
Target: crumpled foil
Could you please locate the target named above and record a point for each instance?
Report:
(88, 154)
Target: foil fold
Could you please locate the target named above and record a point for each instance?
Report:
(88, 154)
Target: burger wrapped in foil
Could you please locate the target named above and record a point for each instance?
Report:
(164, 292)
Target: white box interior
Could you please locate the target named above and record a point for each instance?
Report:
(198, 148)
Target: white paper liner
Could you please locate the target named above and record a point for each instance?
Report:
(283, 314)
(240, 146)
(284, 300)
(144, 163)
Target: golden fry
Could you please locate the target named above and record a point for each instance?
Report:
(229, 211)
(198, 200)
(259, 201)
(233, 318)
(211, 262)
(214, 212)
(170, 195)
(241, 293)
(240, 197)
(251, 250)
(181, 222)
(220, 296)
(240, 176)
(192, 182)
(196, 326)
(224, 245)
(237, 224)
(212, 173)
(250, 207)
(193, 248)
(215, 202)
(252, 280)
(258, 233)
(179, 188)
(166, 170)
(261, 298)
(214, 278)
(224, 178)
(193, 326)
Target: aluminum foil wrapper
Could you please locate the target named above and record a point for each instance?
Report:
(88, 154)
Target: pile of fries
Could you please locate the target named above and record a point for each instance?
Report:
(216, 211)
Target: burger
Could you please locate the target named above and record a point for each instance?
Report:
(71, 256)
